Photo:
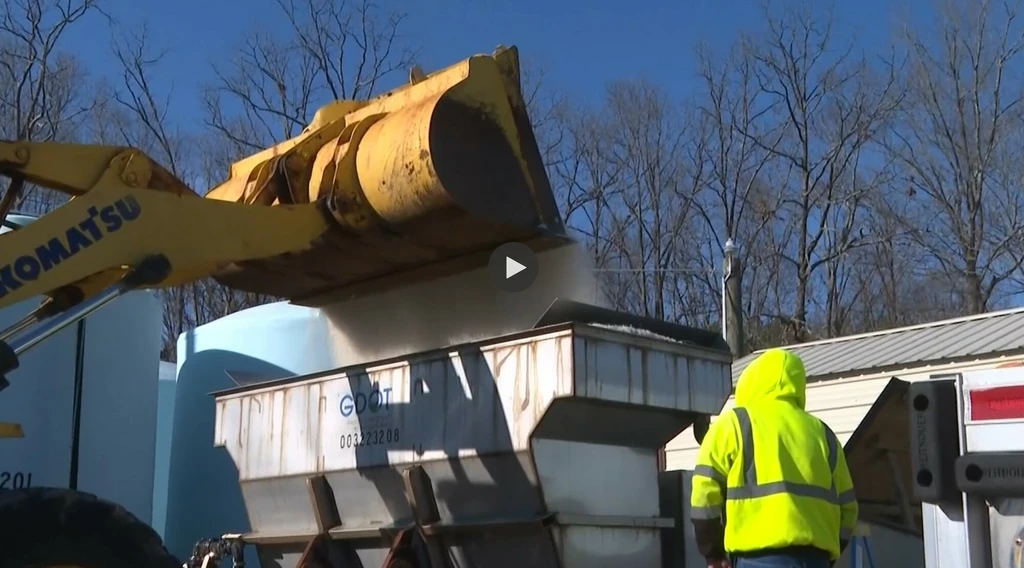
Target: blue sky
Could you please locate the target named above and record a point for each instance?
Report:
(582, 44)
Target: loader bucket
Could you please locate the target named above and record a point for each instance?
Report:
(419, 183)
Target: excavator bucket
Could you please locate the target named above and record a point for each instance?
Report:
(421, 182)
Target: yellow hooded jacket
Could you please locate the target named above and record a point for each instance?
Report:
(779, 473)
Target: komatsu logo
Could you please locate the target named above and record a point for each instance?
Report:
(101, 222)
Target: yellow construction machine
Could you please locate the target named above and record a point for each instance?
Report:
(415, 184)
(418, 183)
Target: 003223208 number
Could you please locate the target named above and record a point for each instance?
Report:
(15, 480)
(376, 437)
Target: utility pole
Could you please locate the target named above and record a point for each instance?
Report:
(732, 319)
(732, 301)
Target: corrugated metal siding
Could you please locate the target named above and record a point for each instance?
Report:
(841, 403)
(976, 337)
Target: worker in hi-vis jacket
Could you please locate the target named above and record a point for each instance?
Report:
(771, 488)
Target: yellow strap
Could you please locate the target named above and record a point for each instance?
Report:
(11, 430)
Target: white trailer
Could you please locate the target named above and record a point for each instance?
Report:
(967, 441)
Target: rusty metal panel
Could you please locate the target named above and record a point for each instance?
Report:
(481, 399)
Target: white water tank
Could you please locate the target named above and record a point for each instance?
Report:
(100, 375)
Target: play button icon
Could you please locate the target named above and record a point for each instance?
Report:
(513, 267)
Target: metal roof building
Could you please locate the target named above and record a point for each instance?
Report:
(857, 384)
(996, 334)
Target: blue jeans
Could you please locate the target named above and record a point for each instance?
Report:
(795, 559)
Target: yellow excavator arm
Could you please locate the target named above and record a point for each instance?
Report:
(415, 184)
(126, 212)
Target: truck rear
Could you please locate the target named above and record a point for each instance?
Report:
(967, 442)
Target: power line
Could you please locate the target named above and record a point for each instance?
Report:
(646, 270)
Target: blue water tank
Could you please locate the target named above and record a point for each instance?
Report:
(164, 430)
(105, 369)
(204, 499)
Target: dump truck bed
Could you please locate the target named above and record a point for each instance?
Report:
(533, 449)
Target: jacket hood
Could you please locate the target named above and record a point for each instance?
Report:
(776, 374)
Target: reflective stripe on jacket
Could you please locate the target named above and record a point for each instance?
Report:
(779, 473)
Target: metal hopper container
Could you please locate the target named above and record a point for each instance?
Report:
(537, 449)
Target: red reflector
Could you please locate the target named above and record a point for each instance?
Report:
(999, 403)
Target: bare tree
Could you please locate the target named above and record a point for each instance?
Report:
(333, 51)
(138, 116)
(274, 83)
(828, 104)
(586, 178)
(548, 110)
(735, 201)
(42, 86)
(626, 184)
(895, 283)
(738, 151)
(141, 115)
(655, 199)
(958, 148)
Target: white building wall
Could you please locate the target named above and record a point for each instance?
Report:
(840, 403)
